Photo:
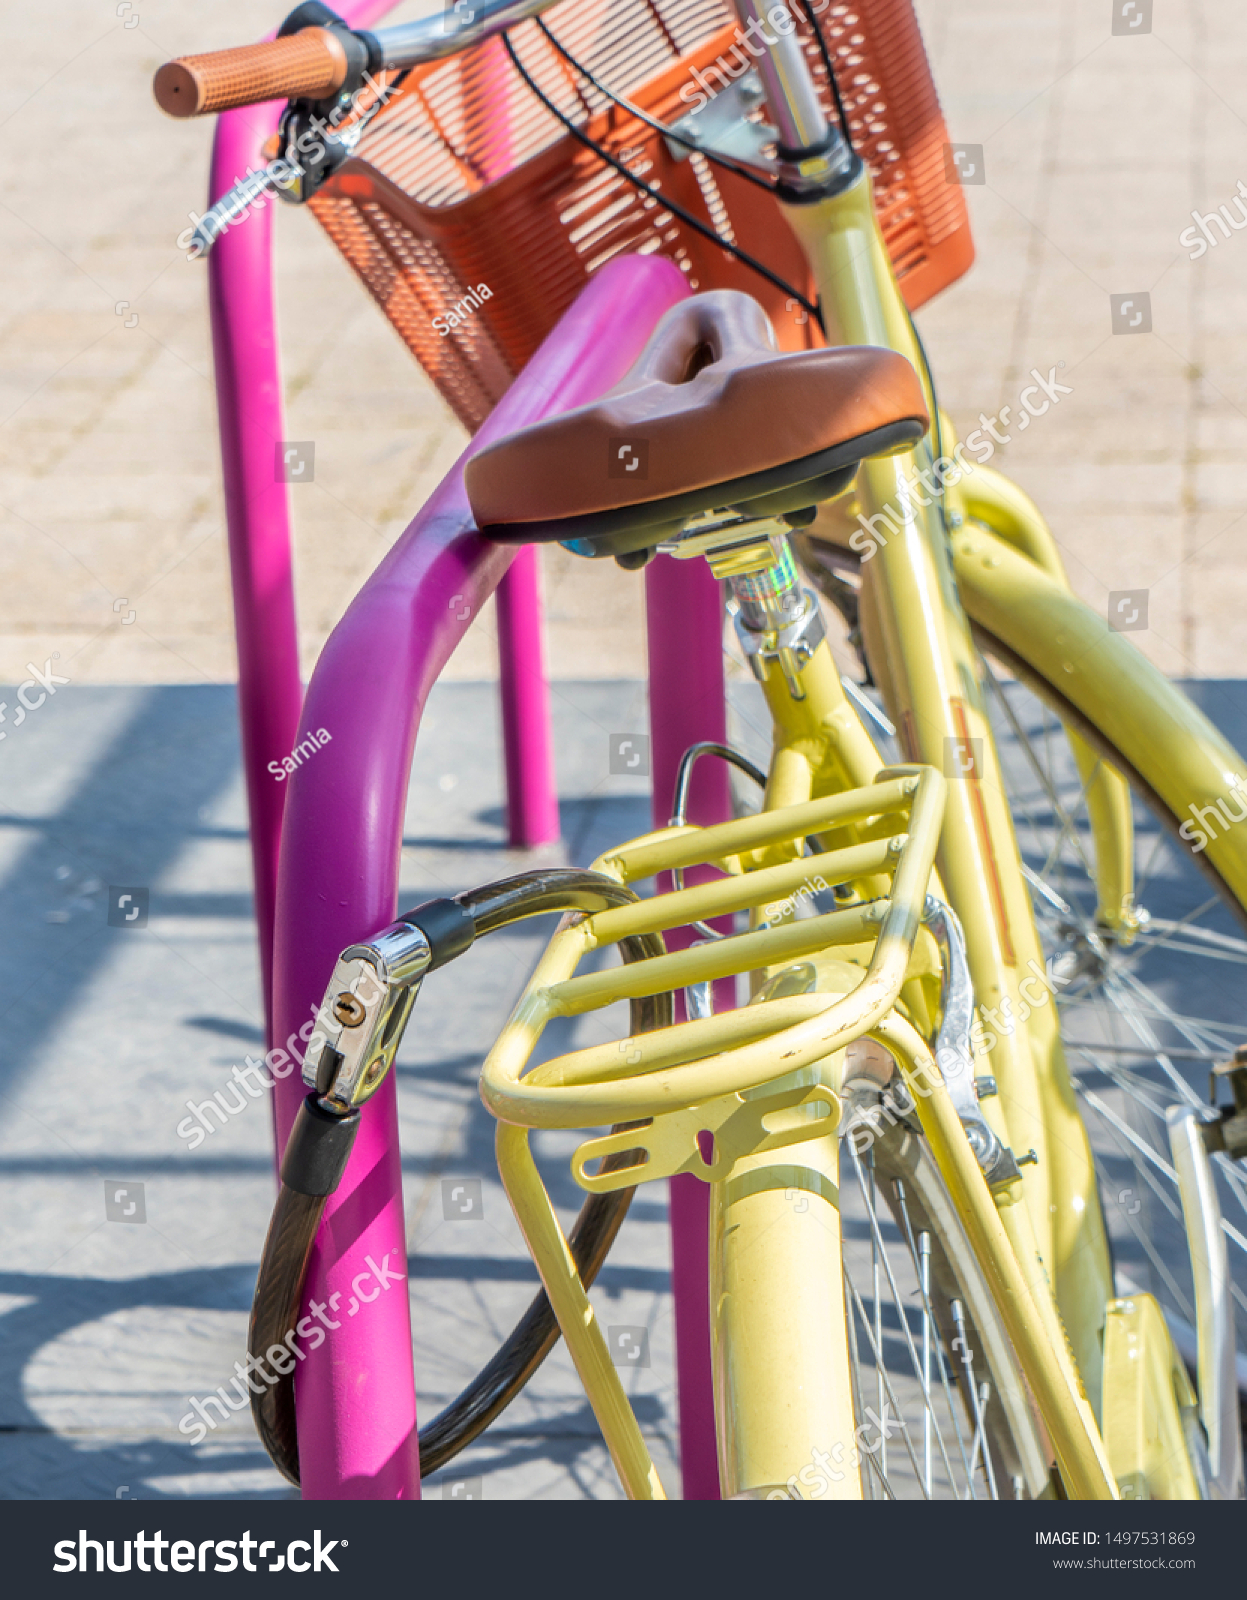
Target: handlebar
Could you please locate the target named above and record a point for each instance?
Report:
(315, 62)
(311, 64)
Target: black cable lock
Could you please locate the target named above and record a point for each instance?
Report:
(319, 1148)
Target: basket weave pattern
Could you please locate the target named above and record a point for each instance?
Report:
(466, 179)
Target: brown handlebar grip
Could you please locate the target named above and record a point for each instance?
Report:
(311, 64)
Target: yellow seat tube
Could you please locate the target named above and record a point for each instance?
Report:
(823, 729)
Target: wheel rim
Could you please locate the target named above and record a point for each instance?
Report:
(1142, 1024)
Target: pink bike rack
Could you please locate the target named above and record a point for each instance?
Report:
(249, 410)
(325, 844)
(684, 627)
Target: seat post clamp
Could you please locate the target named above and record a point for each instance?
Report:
(790, 643)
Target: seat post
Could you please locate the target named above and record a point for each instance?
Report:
(776, 618)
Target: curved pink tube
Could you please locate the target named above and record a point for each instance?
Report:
(338, 880)
(249, 413)
(250, 419)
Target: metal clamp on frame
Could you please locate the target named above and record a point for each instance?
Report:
(953, 1052)
(731, 125)
(776, 619)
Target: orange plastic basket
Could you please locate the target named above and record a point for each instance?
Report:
(465, 179)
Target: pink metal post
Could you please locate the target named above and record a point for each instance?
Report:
(532, 789)
(338, 882)
(249, 409)
(250, 415)
(532, 792)
(684, 622)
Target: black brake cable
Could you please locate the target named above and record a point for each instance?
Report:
(817, 27)
(656, 194)
(937, 431)
(652, 122)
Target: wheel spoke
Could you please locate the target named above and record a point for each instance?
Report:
(1045, 784)
(1206, 935)
(887, 1387)
(1144, 876)
(928, 1408)
(1144, 1017)
(929, 1322)
(979, 1397)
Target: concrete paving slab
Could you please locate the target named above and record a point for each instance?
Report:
(1097, 150)
(110, 1327)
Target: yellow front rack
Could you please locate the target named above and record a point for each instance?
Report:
(763, 1076)
(673, 1069)
(704, 1075)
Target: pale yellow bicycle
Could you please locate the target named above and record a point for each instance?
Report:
(908, 1038)
(990, 920)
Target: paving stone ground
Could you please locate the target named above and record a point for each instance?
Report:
(1096, 151)
(111, 1326)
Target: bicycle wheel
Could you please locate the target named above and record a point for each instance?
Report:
(929, 1354)
(1142, 1021)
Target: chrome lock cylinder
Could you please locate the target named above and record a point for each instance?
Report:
(369, 998)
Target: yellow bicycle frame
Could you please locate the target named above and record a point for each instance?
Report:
(751, 1079)
(920, 592)
(761, 1081)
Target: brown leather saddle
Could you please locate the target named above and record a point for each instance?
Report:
(712, 417)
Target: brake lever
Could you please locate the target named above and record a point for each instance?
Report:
(285, 177)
